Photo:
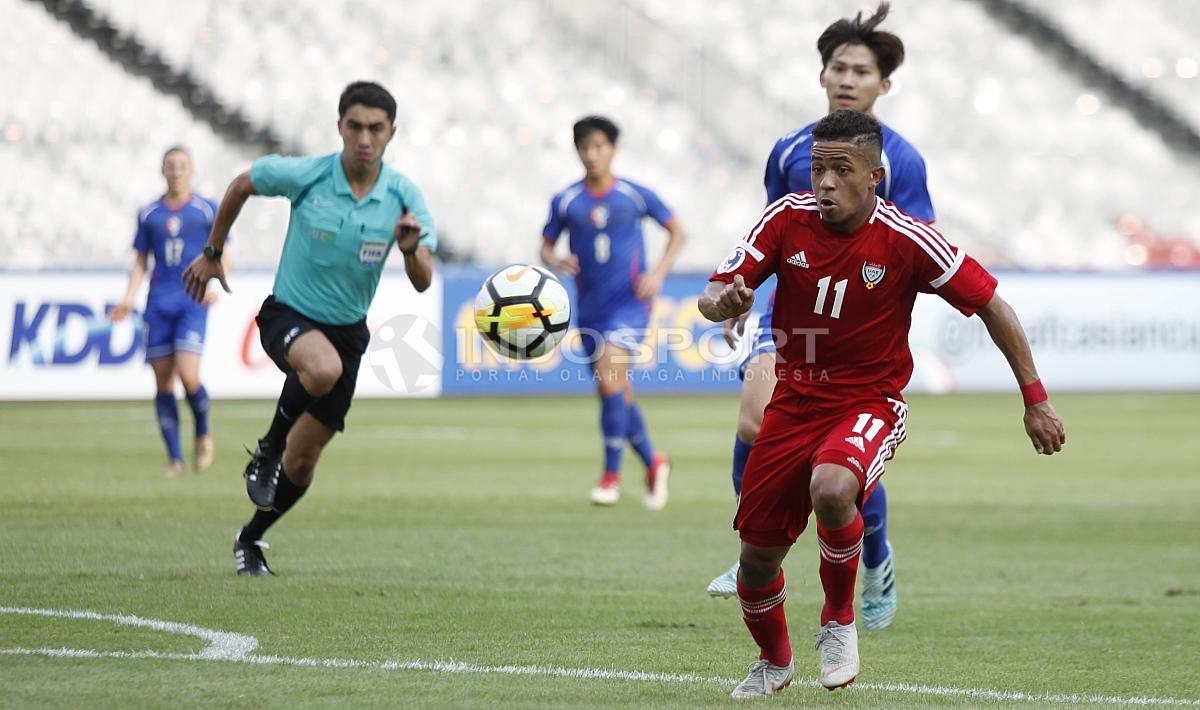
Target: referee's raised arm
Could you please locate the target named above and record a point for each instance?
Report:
(208, 264)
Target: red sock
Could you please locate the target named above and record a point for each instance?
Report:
(840, 550)
(762, 610)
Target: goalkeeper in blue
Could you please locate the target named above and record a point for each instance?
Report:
(857, 62)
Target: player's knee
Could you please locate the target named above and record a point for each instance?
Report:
(748, 425)
(832, 490)
(320, 377)
(191, 382)
(609, 384)
(758, 570)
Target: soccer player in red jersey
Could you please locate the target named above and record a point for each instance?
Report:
(849, 266)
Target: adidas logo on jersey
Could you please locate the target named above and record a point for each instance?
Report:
(798, 259)
(856, 442)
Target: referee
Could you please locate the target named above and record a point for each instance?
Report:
(347, 210)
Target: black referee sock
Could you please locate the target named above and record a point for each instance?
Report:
(286, 495)
(293, 400)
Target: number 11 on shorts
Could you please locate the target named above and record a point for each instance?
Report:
(861, 426)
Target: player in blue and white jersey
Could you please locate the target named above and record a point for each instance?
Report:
(174, 229)
(857, 63)
(603, 215)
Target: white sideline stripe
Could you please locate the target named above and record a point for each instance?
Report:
(604, 674)
(222, 645)
(236, 648)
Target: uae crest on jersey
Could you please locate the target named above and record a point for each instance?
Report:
(873, 273)
(173, 225)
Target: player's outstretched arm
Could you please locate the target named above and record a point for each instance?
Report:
(136, 273)
(418, 262)
(205, 267)
(721, 300)
(1042, 424)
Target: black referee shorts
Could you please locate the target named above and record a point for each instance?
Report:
(279, 325)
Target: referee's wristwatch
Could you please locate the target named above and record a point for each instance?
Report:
(212, 253)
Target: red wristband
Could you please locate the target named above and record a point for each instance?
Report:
(1034, 393)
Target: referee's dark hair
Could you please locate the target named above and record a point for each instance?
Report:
(367, 93)
(887, 47)
(586, 125)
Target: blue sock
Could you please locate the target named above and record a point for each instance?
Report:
(874, 549)
(638, 436)
(741, 452)
(199, 403)
(614, 425)
(168, 424)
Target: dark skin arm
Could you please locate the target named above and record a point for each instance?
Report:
(1042, 424)
(195, 277)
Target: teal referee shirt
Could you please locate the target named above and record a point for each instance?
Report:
(336, 246)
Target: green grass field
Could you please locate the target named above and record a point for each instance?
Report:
(459, 530)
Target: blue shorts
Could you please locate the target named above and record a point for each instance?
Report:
(764, 339)
(173, 325)
(625, 327)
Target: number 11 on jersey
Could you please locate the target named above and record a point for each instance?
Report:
(839, 291)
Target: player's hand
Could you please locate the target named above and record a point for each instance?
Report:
(734, 328)
(120, 312)
(735, 299)
(568, 265)
(648, 286)
(196, 276)
(1044, 428)
(407, 232)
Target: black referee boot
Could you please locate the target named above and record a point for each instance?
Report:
(262, 475)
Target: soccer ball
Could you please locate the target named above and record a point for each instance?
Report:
(522, 311)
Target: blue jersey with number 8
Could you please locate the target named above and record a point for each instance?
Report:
(606, 236)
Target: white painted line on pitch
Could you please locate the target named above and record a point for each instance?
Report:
(236, 648)
(222, 645)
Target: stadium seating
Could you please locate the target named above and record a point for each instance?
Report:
(1026, 165)
(1161, 56)
(86, 141)
(486, 99)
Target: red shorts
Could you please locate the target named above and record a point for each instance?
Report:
(797, 437)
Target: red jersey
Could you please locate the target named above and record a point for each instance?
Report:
(844, 303)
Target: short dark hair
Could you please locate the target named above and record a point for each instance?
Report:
(853, 127)
(887, 47)
(367, 93)
(177, 149)
(588, 124)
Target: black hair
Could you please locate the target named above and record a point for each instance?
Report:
(177, 149)
(588, 124)
(887, 47)
(853, 127)
(369, 94)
